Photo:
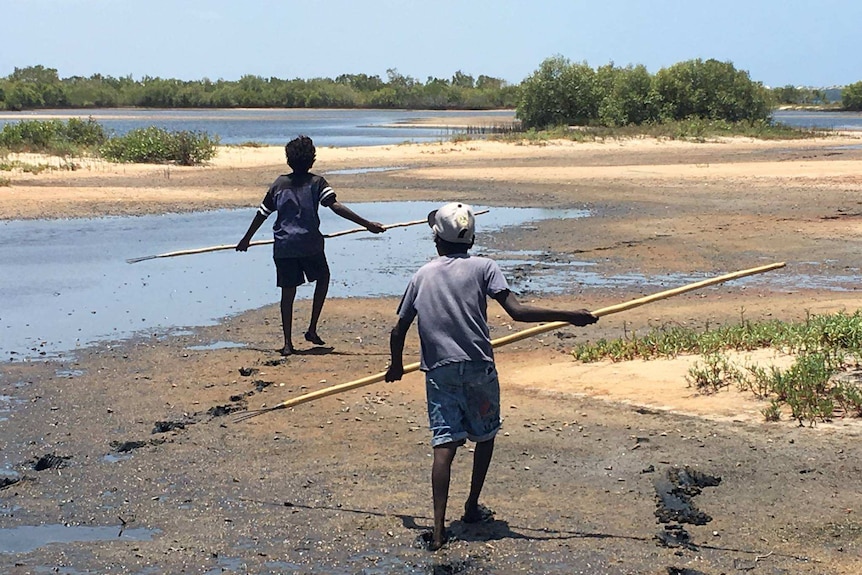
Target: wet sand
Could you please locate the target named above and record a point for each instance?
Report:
(341, 485)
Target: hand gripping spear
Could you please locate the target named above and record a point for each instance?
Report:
(378, 377)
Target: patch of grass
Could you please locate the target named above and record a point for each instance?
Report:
(79, 138)
(693, 129)
(13, 165)
(5, 182)
(814, 388)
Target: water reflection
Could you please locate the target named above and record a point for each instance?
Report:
(27, 538)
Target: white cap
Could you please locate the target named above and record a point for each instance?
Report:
(453, 223)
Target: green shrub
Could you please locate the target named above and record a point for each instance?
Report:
(158, 146)
(74, 136)
(851, 96)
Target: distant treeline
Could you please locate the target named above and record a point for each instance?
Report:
(559, 92)
(38, 87)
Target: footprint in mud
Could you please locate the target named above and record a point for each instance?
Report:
(50, 461)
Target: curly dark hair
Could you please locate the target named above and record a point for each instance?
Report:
(300, 153)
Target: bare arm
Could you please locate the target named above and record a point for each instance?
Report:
(349, 214)
(252, 229)
(521, 312)
(396, 350)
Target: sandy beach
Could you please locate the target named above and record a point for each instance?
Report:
(341, 485)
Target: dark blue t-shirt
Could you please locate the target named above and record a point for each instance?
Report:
(296, 198)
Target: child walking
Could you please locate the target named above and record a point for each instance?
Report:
(298, 249)
(449, 295)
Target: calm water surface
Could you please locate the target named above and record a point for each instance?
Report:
(276, 126)
(341, 127)
(66, 283)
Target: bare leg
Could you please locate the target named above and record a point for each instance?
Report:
(481, 461)
(287, 297)
(321, 288)
(440, 474)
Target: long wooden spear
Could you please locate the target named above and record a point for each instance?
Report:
(524, 334)
(266, 242)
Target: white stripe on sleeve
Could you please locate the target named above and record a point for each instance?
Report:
(326, 193)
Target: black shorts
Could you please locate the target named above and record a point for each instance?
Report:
(292, 272)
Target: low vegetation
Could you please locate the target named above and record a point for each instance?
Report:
(818, 386)
(53, 137)
(82, 138)
(157, 146)
(691, 129)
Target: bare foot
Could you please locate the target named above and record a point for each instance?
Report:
(437, 542)
(431, 541)
(477, 514)
(287, 350)
(314, 338)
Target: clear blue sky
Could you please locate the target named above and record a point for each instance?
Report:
(800, 42)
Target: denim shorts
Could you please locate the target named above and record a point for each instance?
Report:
(463, 402)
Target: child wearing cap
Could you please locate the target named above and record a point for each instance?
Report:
(298, 247)
(449, 295)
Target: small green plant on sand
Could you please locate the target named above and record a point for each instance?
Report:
(822, 382)
(714, 373)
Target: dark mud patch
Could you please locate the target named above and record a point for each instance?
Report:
(248, 371)
(50, 461)
(683, 571)
(453, 567)
(674, 536)
(128, 446)
(166, 426)
(674, 493)
(259, 386)
(7, 481)
(222, 410)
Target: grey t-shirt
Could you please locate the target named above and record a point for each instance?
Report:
(449, 296)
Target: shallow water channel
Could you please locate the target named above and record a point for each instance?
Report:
(66, 283)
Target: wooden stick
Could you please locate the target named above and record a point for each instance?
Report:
(524, 334)
(266, 242)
